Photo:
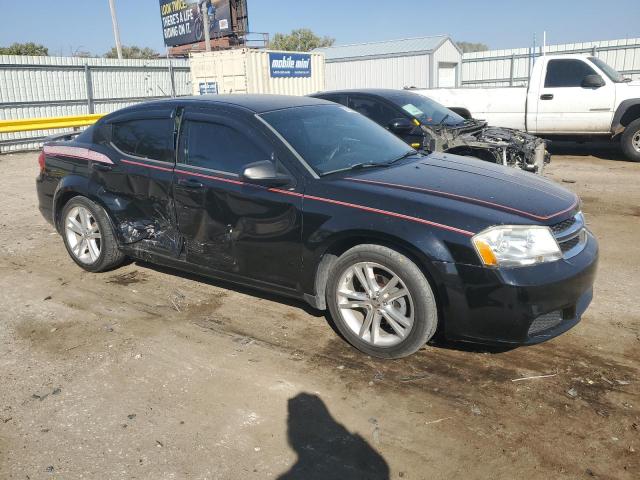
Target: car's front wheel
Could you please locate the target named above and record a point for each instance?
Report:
(88, 236)
(381, 302)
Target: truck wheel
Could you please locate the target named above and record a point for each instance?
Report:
(88, 237)
(630, 141)
(381, 302)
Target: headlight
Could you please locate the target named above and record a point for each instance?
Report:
(516, 246)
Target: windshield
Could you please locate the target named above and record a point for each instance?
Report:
(611, 72)
(333, 138)
(424, 109)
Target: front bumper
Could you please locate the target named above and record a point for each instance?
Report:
(517, 306)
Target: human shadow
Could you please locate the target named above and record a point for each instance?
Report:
(326, 449)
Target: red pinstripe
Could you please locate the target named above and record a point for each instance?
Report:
(471, 199)
(335, 202)
(296, 194)
(147, 165)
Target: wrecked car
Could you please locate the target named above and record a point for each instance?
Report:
(425, 124)
(308, 199)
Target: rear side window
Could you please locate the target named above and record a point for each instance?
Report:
(375, 110)
(217, 147)
(566, 73)
(146, 138)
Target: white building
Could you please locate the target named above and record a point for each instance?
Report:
(423, 62)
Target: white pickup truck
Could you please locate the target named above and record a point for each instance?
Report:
(568, 96)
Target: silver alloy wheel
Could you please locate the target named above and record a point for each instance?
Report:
(83, 235)
(635, 141)
(375, 304)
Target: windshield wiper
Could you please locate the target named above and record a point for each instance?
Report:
(359, 166)
(410, 153)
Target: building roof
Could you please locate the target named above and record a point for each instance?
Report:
(387, 48)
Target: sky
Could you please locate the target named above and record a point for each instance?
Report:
(67, 26)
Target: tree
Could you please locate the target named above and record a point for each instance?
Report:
(133, 52)
(301, 40)
(468, 47)
(25, 49)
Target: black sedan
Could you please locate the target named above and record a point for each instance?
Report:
(427, 125)
(312, 200)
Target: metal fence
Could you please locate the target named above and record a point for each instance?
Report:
(33, 87)
(499, 68)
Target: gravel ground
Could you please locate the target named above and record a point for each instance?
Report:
(152, 374)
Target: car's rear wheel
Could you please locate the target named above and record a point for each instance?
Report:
(88, 236)
(381, 302)
(630, 141)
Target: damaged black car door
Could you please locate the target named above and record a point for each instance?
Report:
(228, 223)
(137, 187)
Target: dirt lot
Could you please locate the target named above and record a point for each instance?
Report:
(147, 373)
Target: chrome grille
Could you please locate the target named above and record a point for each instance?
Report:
(571, 235)
(564, 225)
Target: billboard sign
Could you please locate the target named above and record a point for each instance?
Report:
(287, 65)
(182, 21)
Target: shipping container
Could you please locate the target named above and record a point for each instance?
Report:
(248, 70)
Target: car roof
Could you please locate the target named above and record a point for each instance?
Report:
(381, 92)
(257, 103)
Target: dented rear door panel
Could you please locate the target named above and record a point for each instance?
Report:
(138, 193)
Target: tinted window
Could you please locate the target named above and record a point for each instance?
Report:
(338, 98)
(373, 109)
(331, 138)
(218, 147)
(566, 73)
(149, 138)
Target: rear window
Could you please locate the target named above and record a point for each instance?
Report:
(145, 138)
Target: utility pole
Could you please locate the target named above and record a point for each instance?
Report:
(205, 23)
(116, 30)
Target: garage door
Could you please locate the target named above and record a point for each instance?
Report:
(447, 75)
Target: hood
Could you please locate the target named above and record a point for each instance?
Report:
(477, 183)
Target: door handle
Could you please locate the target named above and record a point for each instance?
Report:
(189, 183)
(102, 167)
(546, 96)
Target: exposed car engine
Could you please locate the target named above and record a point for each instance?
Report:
(504, 146)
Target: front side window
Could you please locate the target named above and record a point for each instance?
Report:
(217, 147)
(337, 98)
(332, 138)
(566, 73)
(375, 110)
(146, 138)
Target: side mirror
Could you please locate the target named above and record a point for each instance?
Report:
(593, 81)
(264, 173)
(401, 125)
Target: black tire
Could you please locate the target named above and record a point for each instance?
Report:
(631, 132)
(425, 311)
(110, 255)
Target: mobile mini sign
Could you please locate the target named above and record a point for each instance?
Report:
(287, 65)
